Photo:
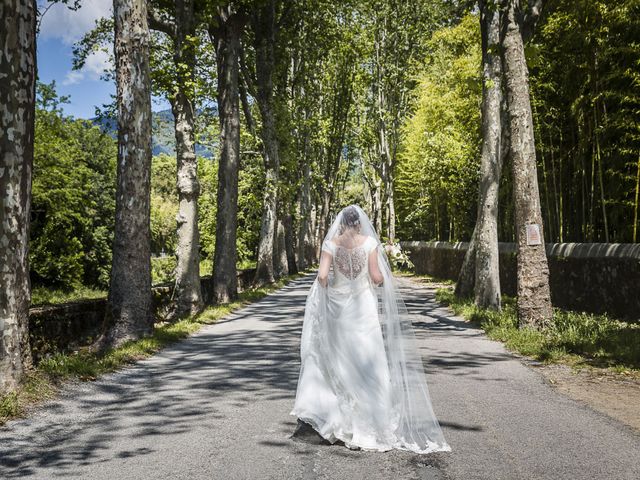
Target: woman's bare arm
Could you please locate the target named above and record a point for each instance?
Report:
(374, 268)
(325, 265)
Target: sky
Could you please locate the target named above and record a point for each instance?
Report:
(59, 30)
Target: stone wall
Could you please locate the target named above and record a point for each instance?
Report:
(66, 327)
(590, 277)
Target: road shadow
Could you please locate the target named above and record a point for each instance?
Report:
(177, 390)
(183, 387)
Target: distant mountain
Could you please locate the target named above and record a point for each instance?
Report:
(163, 136)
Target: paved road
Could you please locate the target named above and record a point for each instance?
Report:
(216, 406)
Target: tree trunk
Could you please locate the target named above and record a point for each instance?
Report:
(129, 313)
(17, 112)
(534, 301)
(391, 206)
(487, 268)
(377, 207)
(226, 37)
(290, 247)
(465, 284)
(264, 30)
(636, 204)
(480, 269)
(280, 260)
(187, 292)
(305, 210)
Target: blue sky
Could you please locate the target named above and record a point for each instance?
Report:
(59, 30)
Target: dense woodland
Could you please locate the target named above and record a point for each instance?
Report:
(409, 109)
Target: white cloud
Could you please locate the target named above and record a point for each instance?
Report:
(68, 25)
(95, 66)
(73, 76)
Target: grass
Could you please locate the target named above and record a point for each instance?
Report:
(47, 296)
(575, 338)
(162, 271)
(43, 381)
(424, 278)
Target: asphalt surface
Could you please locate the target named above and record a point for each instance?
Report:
(216, 406)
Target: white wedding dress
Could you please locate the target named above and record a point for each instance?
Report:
(361, 375)
(344, 392)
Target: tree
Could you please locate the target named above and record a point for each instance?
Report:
(480, 270)
(129, 309)
(398, 31)
(17, 113)
(534, 299)
(73, 198)
(436, 180)
(264, 25)
(182, 32)
(225, 33)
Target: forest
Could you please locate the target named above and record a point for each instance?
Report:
(409, 109)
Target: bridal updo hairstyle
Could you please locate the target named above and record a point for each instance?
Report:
(350, 219)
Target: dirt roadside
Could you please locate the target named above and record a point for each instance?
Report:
(614, 394)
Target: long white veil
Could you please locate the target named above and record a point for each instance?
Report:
(415, 425)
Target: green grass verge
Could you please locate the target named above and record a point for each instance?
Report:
(48, 296)
(424, 278)
(43, 381)
(574, 338)
(162, 271)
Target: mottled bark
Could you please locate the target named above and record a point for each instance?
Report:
(480, 273)
(534, 301)
(304, 222)
(465, 284)
(129, 313)
(17, 110)
(187, 291)
(636, 203)
(226, 36)
(391, 205)
(264, 26)
(487, 271)
(290, 244)
(280, 260)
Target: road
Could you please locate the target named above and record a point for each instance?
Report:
(216, 406)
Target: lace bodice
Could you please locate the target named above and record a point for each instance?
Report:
(350, 264)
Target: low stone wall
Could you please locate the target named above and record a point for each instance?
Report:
(66, 327)
(590, 277)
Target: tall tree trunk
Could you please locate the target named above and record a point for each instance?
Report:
(465, 284)
(636, 204)
(305, 209)
(280, 260)
(226, 37)
(377, 207)
(534, 300)
(265, 32)
(487, 271)
(290, 245)
(187, 292)
(129, 313)
(391, 205)
(480, 271)
(17, 112)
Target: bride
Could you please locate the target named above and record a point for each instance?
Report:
(361, 375)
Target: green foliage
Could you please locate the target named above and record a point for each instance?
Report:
(164, 205)
(73, 203)
(437, 170)
(584, 65)
(581, 339)
(207, 207)
(163, 269)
